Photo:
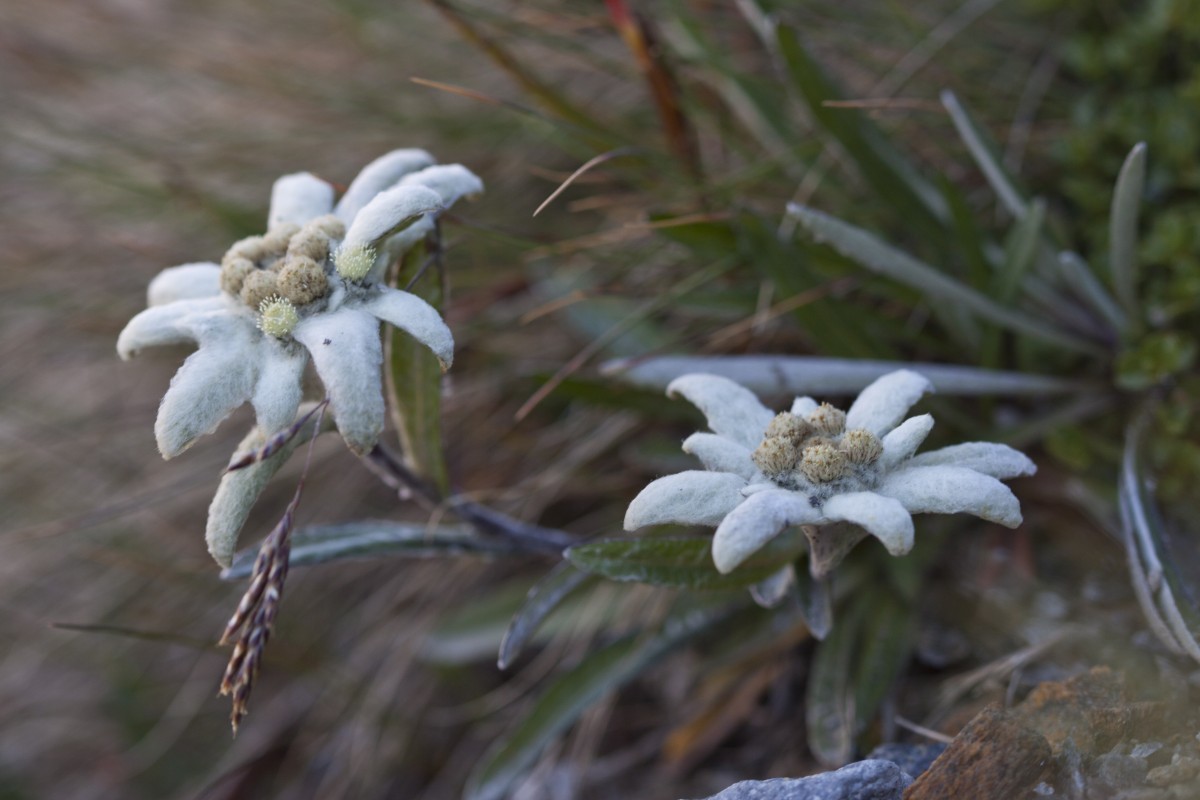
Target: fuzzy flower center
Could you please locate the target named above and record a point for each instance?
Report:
(815, 453)
(353, 263)
(277, 317)
(289, 262)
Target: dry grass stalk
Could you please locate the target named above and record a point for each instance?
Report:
(275, 443)
(256, 612)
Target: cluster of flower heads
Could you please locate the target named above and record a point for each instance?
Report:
(307, 288)
(816, 465)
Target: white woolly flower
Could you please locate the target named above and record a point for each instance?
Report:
(308, 287)
(815, 465)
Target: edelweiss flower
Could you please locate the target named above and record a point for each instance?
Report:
(816, 465)
(308, 287)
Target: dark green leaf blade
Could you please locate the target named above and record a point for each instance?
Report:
(542, 600)
(571, 694)
(681, 562)
(318, 544)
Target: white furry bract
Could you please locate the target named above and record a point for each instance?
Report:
(260, 354)
(749, 509)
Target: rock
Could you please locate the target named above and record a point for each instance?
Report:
(1180, 770)
(912, 758)
(1116, 771)
(1145, 749)
(993, 758)
(863, 780)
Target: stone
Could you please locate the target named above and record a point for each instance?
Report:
(1116, 771)
(994, 757)
(862, 780)
(912, 758)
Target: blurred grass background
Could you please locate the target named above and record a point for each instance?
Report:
(137, 135)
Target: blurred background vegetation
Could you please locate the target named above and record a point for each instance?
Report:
(137, 135)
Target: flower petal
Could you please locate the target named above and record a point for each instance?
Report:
(997, 460)
(719, 454)
(239, 490)
(212, 382)
(415, 317)
(297, 198)
(163, 325)
(760, 518)
(345, 348)
(452, 182)
(732, 410)
(904, 440)
(773, 590)
(884, 403)
(885, 518)
(949, 490)
(694, 497)
(803, 406)
(280, 385)
(380, 174)
(185, 282)
(389, 212)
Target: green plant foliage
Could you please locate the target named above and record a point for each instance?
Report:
(679, 562)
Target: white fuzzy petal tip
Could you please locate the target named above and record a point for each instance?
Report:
(345, 349)
(719, 454)
(694, 497)
(185, 282)
(452, 182)
(731, 409)
(803, 406)
(380, 174)
(390, 212)
(297, 198)
(882, 405)
(904, 440)
(162, 325)
(951, 490)
(885, 518)
(760, 518)
(212, 382)
(417, 318)
(997, 460)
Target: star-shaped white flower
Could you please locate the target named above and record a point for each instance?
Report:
(815, 465)
(307, 288)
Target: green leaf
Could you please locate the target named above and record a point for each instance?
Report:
(983, 151)
(683, 562)
(1019, 252)
(1127, 199)
(545, 596)
(885, 169)
(318, 544)
(877, 256)
(854, 668)
(829, 704)
(883, 652)
(1154, 358)
(414, 376)
(1080, 279)
(571, 694)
